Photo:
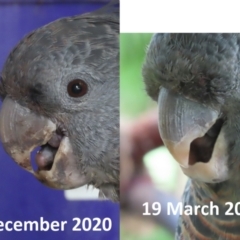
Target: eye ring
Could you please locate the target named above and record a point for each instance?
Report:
(77, 88)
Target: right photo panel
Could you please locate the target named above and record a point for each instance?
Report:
(179, 95)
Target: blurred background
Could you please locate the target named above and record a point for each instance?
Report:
(148, 172)
(22, 197)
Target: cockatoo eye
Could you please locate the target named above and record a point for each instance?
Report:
(77, 88)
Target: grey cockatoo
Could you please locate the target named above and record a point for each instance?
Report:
(195, 78)
(60, 91)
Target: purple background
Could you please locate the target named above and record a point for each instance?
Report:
(22, 197)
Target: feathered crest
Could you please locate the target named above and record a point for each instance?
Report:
(109, 12)
(111, 7)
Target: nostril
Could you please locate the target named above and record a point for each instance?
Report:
(45, 157)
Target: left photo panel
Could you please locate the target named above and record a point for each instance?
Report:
(59, 119)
